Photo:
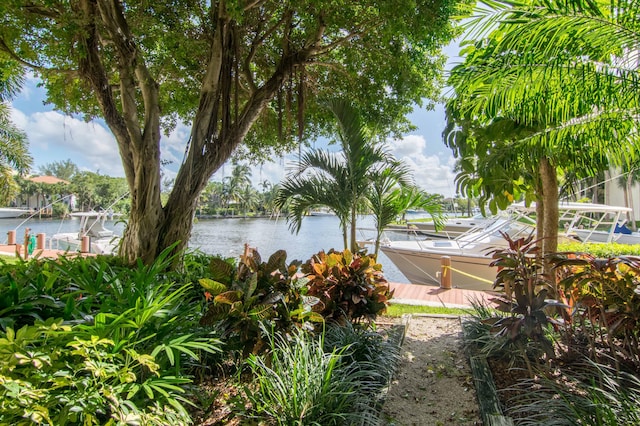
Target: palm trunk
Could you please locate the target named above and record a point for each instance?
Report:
(629, 191)
(549, 180)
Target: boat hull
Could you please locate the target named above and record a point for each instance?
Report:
(423, 267)
(11, 213)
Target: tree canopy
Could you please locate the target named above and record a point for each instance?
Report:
(552, 88)
(14, 154)
(223, 66)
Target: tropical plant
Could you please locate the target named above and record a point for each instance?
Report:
(350, 287)
(336, 181)
(14, 152)
(524, 299)
(29, 291)
(88, 341)
(253, 295)
(299, 383)
(240, 73)
(388, 200)
(364, 347)
(592, 393)
(605, 294)
(549, 78)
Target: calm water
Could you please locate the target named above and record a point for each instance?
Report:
(227, 237)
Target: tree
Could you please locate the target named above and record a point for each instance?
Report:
(14, 153)
(554, 87)
(392, 193)
(341, 181)
(224, 66)
(61, 169)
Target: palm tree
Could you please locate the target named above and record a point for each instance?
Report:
(14, 154)
(338, 181)
(392, 193)
(564, 76)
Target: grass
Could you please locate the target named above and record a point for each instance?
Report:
(397, 310)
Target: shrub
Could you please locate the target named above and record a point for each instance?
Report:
(349, 286)
(254, 294)
(592, 395)
(524, 299)
(606, 297)
(299, 383)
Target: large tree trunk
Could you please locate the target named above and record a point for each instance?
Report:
(219, 126)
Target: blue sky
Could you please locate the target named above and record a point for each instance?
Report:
(56, 137)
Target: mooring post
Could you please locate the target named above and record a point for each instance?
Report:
(85, 246)
(445, 272)
(40, 238)
(11, 237)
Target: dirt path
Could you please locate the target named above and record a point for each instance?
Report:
(433, 384)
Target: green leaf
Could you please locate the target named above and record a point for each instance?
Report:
(213, 287)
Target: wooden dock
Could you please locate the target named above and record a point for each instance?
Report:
(12, 250)
(414, 294)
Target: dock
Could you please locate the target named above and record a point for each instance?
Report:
(18, 250)
(414, 294)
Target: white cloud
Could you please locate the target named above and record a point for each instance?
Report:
(429, 172)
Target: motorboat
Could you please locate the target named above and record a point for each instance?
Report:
(593, 223)
(470, 253)
(420, 260)
(101, 240)
(12, 212)
(452, 228)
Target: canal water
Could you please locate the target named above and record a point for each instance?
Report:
(226, 237)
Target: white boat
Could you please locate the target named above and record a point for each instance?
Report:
(593, 223)
(12, 212)
(470, 254)
(101, 240)
(452, 228)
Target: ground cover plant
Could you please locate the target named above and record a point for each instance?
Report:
(93, 341)
(563, 347)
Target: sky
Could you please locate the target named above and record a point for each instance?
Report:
(55, 137)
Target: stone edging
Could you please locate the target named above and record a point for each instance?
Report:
(486, 391)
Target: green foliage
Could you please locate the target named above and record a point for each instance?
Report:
(524, 299)
(606, 292)
(396, 310)
(88, 341)
(363, 348)
(29, 291)
(254, 293)
(593, 394)
(349, 286)
(299, 383)
(599, 250)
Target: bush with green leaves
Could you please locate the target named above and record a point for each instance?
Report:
(113, 368)
(298, 383)
(253, 295)
(592, 394)
(88, 341)
(350, 287)
(605, 295)
(363, 348)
